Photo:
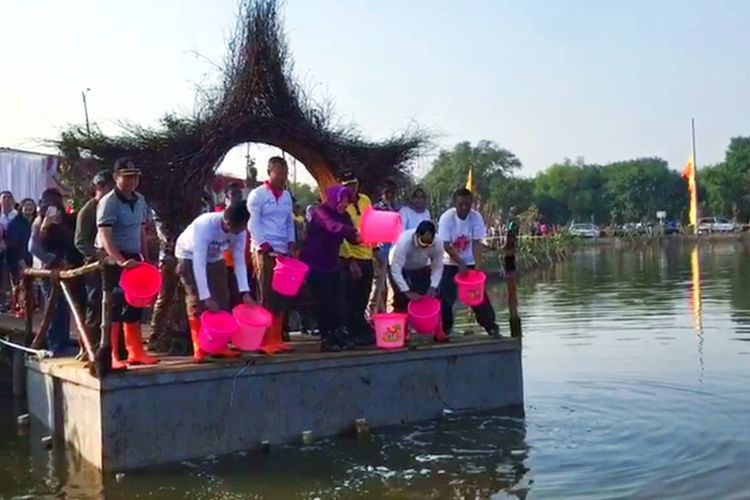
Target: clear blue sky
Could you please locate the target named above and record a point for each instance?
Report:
(605, 79)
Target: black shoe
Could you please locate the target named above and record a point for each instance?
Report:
(494, 332)
(343, 339)
(329, 346)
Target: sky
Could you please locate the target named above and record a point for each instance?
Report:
(603, 80)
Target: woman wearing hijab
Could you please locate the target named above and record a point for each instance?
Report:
(415, 211)
(329, 226)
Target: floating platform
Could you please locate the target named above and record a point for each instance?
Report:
(178, 410)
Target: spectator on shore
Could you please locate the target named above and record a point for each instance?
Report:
(415, 211)
(17, 237)
(51, 242)
(85, 242)
(7, 213)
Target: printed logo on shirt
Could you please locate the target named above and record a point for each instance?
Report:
(215, 248)
(461, 243)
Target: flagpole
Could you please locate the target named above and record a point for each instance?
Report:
(694, 194)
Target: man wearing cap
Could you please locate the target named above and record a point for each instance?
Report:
(359, 272)
(120, 218)
(85, 242)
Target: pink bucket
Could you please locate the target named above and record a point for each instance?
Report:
(378, 226)
(216, 330)
(140, 284)
(424, 314)
(288, 276)
(390, 330)
(471, 287)
(253, 322)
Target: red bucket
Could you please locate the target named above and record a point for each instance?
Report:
(140, 284)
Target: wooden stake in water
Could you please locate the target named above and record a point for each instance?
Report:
(509, 266)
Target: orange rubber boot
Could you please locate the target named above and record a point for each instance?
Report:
(273, 341)
(134, 344)
(195, 328)
(114, 340)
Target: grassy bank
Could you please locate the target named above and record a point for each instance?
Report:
(534, 252)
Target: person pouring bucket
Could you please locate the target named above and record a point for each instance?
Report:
(121, 241)
(202, 268)
(416, 263)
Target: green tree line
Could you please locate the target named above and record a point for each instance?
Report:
(618, 192)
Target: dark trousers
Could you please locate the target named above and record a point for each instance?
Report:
(357, 295)
(327, 289)
(484, 312)
(58, 335)
(418, 281)
(93, 284)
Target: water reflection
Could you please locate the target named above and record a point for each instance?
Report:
(696, 301)
(618, 405)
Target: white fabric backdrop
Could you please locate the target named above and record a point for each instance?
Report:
(26, 175)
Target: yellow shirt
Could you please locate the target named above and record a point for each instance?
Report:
(359, 252)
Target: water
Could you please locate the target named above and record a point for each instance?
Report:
(637, 374)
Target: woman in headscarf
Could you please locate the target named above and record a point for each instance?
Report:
(329, 226)
(415, 211)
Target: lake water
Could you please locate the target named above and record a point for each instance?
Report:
(637, 376)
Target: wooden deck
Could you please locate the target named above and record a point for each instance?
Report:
(305, 348)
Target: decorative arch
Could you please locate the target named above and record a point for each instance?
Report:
(258, 100)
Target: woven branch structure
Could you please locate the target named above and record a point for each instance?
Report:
(258, 100)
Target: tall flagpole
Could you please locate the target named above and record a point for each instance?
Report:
(694, 194)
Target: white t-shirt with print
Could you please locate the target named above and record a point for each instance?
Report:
(204, 242)
(461, 234)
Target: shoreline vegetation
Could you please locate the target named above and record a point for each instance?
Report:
(541, 252)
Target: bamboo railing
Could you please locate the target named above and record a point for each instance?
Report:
(98, 357)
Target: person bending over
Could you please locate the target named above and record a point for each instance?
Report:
(203, 271)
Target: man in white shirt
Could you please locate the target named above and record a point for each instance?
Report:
(200, 252)
(272, 234)
(416, 267)
(462, 229)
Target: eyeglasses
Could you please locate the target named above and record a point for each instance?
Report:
(423, 244)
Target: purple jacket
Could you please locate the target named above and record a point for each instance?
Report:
(325, 233)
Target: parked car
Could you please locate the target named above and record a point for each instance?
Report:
(671, 227)
(716, 225)
(584, 230)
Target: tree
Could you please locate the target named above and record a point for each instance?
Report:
(305, 194)
(515, 192)
(489, 162)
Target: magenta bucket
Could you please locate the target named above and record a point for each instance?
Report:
(216, 330)
(471, 287)
(424, 314)
(288, 276)
(378, 226)
(140, 284)
(253, 322)
(390, 330)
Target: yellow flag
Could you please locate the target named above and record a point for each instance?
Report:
(689, 174)
(470, 181)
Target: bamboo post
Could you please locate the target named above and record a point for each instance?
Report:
(509, 265)
(49, 311)
(28, 292)
(80, 324)
(103, 359)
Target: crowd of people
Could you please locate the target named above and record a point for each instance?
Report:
(227, 256)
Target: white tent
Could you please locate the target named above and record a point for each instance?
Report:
(27, 174)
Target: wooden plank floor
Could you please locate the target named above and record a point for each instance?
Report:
(305, 348)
